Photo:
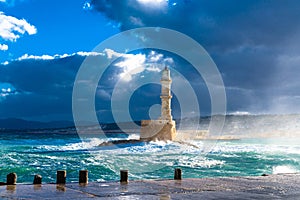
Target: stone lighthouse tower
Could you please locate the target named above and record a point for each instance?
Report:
(165, 127)
(166, 95)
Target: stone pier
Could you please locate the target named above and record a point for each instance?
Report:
(282, 186)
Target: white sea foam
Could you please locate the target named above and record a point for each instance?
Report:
(148, 157)
(87, 144)
(284, 169)
(193, 162)
(160, 146)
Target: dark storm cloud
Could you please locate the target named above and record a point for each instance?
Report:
(45, 77)
(42, 87)
(220, 24)
(247, 39)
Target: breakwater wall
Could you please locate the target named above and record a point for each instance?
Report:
(280, 186)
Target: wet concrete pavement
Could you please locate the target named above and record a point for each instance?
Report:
(283, 186)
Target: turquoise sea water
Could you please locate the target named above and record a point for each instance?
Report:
(29, 154)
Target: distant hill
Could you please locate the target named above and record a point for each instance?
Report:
(21, 124)
(13, 123)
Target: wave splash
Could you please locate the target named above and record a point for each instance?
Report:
(284, 169)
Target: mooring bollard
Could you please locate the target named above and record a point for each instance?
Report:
(177, 174)
(11, 179)
(61, 177)
(83, 176)
(37, 179)
(124, 176)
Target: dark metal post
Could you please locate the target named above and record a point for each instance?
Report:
(124, 176)
(11, 179)
(83, 176)
(177, 174)
(37, 179)
(61, 177)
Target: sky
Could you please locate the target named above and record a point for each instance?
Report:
(254, 44)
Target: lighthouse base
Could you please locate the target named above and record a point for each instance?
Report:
(152, 130)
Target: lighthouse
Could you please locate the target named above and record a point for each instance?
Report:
(166, 95)
(163, 128)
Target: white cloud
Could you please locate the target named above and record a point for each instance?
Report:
(133, 64)
(112, 54)
(12, 28)
(153, 3)
(154, 57)
(169, 60)
(81, 53)
(56, 56)
(153, 68)
(28, 57)
(3, 47)
(87, 6)
(156, 61)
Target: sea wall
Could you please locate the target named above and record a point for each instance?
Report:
(281, 186)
